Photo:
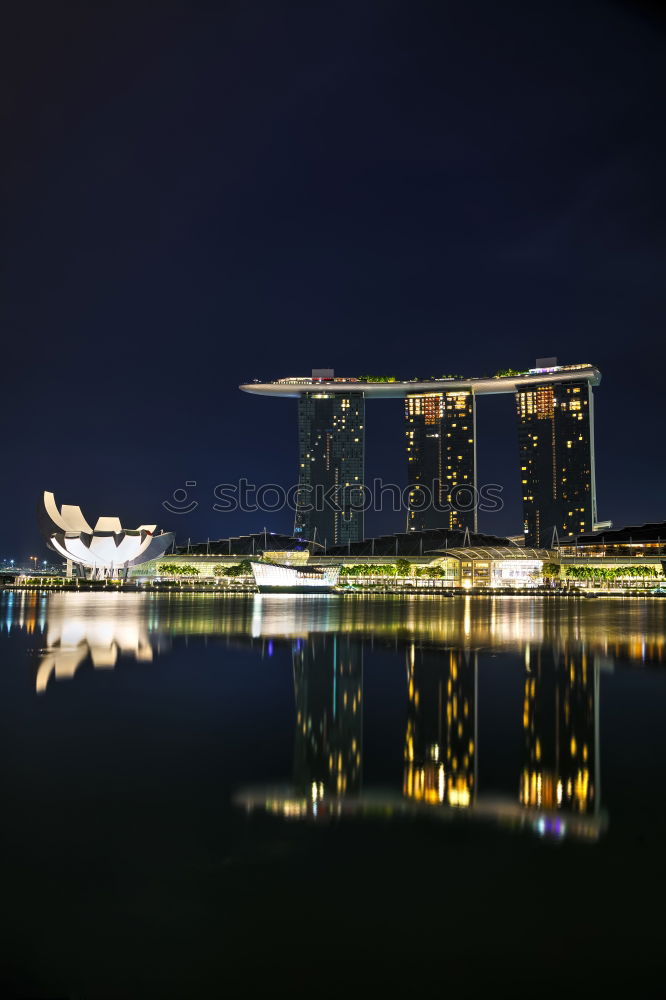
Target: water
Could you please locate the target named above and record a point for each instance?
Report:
(207, 795)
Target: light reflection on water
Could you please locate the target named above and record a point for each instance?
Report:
(203, 788)
(565, 646)
(558, 788)
(630, 629)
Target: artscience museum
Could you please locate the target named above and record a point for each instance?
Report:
(106, 550)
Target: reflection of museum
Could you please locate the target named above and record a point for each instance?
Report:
(74, 635)
(93, 629)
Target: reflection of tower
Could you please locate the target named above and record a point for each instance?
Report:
(440, 742)
(560, 722)
(328, 685)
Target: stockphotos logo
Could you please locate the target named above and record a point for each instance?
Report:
(305, 498)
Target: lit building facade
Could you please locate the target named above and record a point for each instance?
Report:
(331, 430)
(560, 725)
(440, 739)
(637, 541)
(328, 686)
(556, 442)
(440, 431)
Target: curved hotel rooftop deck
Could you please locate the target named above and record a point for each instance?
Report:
(294, 387)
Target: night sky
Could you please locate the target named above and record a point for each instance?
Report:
(196, 195)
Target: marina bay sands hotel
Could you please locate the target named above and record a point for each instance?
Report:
(555, 419)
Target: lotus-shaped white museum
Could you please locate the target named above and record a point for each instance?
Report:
(105, 550)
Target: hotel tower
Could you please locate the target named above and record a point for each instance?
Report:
(555, 435)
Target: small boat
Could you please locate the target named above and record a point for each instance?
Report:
(273, 578)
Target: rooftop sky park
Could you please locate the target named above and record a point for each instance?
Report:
(555, 423)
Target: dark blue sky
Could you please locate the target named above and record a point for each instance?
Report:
(198, 194)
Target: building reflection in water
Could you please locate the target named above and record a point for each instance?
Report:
(559, 785)
(98, 627)
(328, 686)
(440, 741)
(561, 727)
(633, 631)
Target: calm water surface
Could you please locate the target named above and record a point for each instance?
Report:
(206, 796)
